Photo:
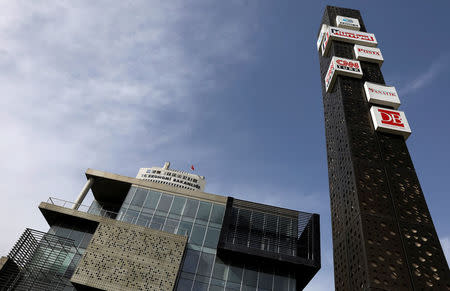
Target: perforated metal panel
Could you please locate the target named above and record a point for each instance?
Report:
(122, 256)
(383, 234)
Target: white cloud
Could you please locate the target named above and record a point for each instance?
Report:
(92, 84)
(427, 77)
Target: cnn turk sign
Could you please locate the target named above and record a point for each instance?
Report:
(390, 121)
(381, 95)
(347, 22)
(369, 54)
(341, 66)
(347, 35)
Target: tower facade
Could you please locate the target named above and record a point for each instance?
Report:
(383, 234)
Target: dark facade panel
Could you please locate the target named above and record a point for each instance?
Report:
(383, 234)
(272, 236)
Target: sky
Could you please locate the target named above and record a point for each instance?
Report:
(231, 87)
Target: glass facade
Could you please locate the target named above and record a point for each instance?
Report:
(201, 221)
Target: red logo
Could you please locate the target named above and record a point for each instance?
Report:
(348, 64)
(391, 117)
(369, 52)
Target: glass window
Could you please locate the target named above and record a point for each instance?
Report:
(77, 236)
(86, 239)
(217, 214)
(190, 261)
(205, 264)
(144, 219)
(177, 205)
(170, 225)
(203, 211)
(185, 228)
(184, 284)
(219, 271)
(139, 197)
(62, 231)
(251, 276)
(198, 233)
(129, 196)
(200, 286)
(130, 216)
(164, 204)
(152, 200)
(235, 274)
(212, 237)
(191, 208)
(265, 281)
(281, 282)
(157, 222)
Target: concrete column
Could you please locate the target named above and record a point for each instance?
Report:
(83, 193)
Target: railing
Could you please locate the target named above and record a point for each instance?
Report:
(121, 216)
(83, 208)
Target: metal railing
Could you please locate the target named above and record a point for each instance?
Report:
(121, 216)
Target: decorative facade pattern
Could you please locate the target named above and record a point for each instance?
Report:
(383, 234)
(121, 256)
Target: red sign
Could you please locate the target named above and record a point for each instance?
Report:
(391, 117)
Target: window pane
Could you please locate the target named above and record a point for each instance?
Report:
(212, 237)
(86, 239)
(191, 208)
(219, 271)
(129, 196)
(235, 274)
(152, 200)
(164, 204)
(265, 281)
(198, 233)
(251, 276)
(217, 214)
(171, 225)
(157, 222)
(203, 211)
(143, 219)
(130, 216)
(184, 284)
(190, 261)
(205, 264)
(77, 236)
(281, 282)
(200, 286)
(139, 197)
(185, 228)
(177, 205)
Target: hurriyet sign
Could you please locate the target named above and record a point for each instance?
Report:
(347, 35)
(381, 95)
(341, 66)
(347, 22)
(369, 54)
(390, 121)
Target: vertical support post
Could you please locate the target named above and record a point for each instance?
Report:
(83, 193)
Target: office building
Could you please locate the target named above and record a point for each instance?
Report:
(383, 233)
(143, 235)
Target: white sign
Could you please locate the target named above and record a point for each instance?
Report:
(390, 121)
(323, 30)
(341, 66)
(381, 95)
(346, 35)
(347, 22)
(369, 54)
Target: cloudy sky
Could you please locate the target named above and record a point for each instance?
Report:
(232, 87)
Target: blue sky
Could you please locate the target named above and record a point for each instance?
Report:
(232, 87)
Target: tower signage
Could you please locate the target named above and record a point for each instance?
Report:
(347, 35)
(341, 66)
(381, 95)
(369, 54)
(390, 121)
(323, 30)
(347, 22)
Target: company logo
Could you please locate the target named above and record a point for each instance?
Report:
(370, 52)
(391, 117)
(348, 65)
(329, 75)
(353, 35)
(387, 93)
(347, 20)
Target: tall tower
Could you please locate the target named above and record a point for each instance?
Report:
(383, 234)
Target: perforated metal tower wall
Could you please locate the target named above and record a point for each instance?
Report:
(383, 234)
